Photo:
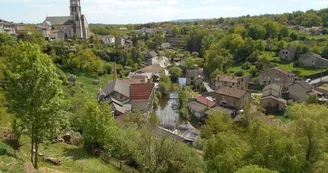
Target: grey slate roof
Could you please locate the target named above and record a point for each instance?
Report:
(59, 20)
(152, 53)
(272, 90)
(197, 107)
(118, 86)
(194, 72)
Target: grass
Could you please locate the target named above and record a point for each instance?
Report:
(73, 158)
(303, 71)
(237, 67)
(317, 37)
(325, 87)
(87, 80)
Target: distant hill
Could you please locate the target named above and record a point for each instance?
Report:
(186, 20)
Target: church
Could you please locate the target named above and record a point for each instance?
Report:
(65, 27)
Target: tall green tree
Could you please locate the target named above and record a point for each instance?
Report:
(33, 92)
(272, 30)
(256, 32)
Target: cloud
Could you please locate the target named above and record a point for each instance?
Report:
(208, 1)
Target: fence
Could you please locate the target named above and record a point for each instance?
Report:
(118, 164)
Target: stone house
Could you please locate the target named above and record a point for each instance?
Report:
(276, 75)
(287, 54)
(119, 41)
(195, 77)
(300, 91)
(151, 54)
(232, 98)
(313, 60)
(198, 106)
(125, 97)
(240, 83)
(271, 99)
(108, 39)
(274, 104)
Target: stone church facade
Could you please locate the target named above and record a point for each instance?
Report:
(64, 27)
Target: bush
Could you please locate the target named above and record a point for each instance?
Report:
(246, 66)
(5, 149)
(276, 60)
(239, 73)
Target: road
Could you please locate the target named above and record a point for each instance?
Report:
(316, 81)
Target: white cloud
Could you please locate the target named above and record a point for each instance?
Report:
(208, 1)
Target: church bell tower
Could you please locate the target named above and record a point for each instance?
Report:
(76, 16)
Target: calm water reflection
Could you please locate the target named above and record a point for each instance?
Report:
(167, 112)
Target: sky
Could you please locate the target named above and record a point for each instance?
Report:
(144, 11)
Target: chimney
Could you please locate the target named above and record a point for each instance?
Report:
(115, 71)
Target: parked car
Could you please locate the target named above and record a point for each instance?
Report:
(308, 80)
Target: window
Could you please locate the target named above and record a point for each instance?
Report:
(233, 84)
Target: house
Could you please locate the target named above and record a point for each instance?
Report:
(57, 34)
(119, 41)
(313, 60)
(142, 96)
(274, 90)
(195, 77)
(287, 54)
(155, 70)
(221, 109)
(108, 39)
(198, 106)
(300, 91)
(232, 98)
(134, 77)
(160, 60)
(271, 99)
(176, 42)
(276, 75)
(165, 45)
(240, 83)
(73, 25)
(125, 97)
(150, 54)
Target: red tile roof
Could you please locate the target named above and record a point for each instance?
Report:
(140, 92)
(206, 101)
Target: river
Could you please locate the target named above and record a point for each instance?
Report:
(167, 112)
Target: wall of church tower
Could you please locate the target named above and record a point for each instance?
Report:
(75, 11)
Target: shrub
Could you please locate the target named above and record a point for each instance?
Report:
(246, 66)
(276, 60)
(239, 73)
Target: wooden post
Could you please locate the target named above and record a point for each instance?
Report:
(120, 165)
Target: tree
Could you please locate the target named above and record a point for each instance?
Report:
(156, 155)
(98, 125)
(256, 32)
(284, 32)
(272, 30)
(175, 72)
(309, 126)
(194, 39)
(33, 92)
(294, 36)
(175, 31)
(223, 155)
(217, 58)
(164, 84)
(87, 60)
(254, 169)
(325, 51)
(245, 50)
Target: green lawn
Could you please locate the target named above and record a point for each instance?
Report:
(87, 80)
(303, 71)
(317, 37)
